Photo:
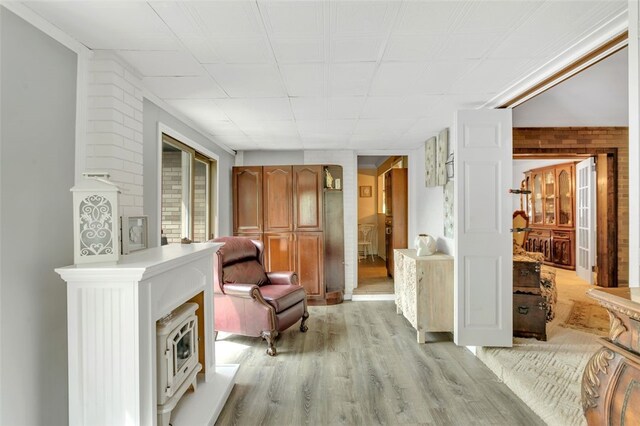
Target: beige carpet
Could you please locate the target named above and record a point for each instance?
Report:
(547, 375)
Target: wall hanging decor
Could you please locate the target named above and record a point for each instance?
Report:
(95, 219)
(442, 150)
(430, 162)
(365, 191)
(134, 233)
(448, 209)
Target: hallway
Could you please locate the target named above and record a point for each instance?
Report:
(373, 278)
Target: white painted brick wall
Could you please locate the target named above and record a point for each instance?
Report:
(114, 128)
(347, 160)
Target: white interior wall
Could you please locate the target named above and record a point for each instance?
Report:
(272, 158)
(37, 145)
(426, 214)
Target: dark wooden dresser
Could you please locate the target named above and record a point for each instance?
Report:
(611, 379)
(529, 306)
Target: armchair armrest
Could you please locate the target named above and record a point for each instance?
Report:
(283, 277)
(240, 290)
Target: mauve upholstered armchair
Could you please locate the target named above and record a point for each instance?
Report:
(250, 301)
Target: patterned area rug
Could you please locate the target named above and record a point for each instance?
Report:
(589, 317)
(547, 375)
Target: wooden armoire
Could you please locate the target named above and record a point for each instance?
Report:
(300, 221)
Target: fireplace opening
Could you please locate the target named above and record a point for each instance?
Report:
(177, 358)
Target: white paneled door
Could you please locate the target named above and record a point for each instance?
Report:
(483, 242)
(585, 219)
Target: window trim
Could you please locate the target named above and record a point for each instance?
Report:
(214, 175)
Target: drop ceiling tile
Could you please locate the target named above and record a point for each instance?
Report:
(254, 50)
(109, 25)
(298, 49)
(257, 129)
(351, 78)
(492, 16)
(356, 49)
(220, 18)
(362, 17)
(309, 108)
(516, 46)
(427, 17)
(368, 127)
(293, 18)
(345, 107)
(493, 75)
(256, 109)
(201, 48)
(278, 143)
(308, 128)
(469, 46)
(380, 141)
(439, 77)
(303, 79)
(245, 81)
(413, 48)
(399, 106)
(161, 63)
(325, 142)
(396, 78)
(201, 87)
(200, 110)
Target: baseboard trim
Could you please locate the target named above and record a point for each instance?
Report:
(372, 297)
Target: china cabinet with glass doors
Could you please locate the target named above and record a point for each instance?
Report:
(550, 207)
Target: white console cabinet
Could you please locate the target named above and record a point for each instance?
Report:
(424, 290)
(112, 309)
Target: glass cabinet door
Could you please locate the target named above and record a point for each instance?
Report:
(549, 197)
(537, 198)
(565, 209)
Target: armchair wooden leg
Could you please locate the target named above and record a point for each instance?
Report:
(303, 326)
(270, 337)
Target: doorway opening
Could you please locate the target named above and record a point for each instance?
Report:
(382, 222)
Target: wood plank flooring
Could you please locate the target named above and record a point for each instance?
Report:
(359, 364)
(372, 277)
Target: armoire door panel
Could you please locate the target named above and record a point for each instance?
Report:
(309, 261)
(277, 195)
(247, 199)
(279, 252)
(307, 198)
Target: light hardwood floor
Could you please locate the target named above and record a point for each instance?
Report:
(372, 277)
(359, 364)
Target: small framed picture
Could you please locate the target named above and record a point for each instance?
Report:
(134, 233)
(365, 191)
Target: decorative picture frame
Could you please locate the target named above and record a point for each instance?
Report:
(448, 209)
(430, 162)
(442, 151)
(134, 233)
(365, 191)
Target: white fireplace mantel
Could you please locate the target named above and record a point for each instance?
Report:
(112, 309)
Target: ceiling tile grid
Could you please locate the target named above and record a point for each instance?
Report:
(321, 74)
